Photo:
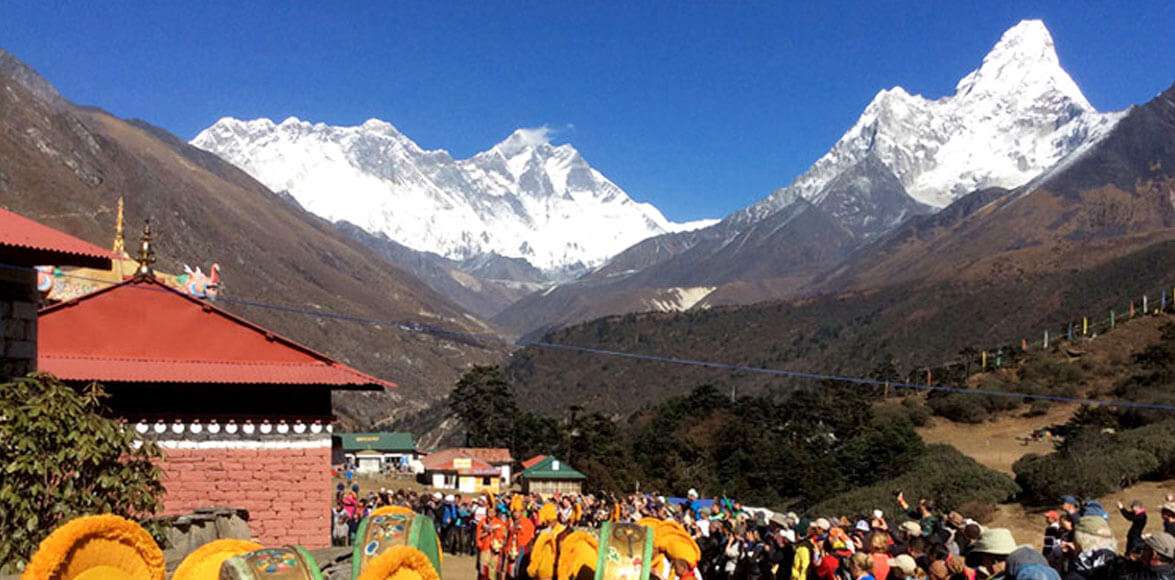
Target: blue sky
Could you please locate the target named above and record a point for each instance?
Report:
(700, 108)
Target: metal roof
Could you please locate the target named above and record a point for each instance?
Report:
(381, 441)
(142, 330)
(551, 468)
(24, 242)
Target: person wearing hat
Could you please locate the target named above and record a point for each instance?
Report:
(1027, 564)
(809, 550)
(518, 540)
(1136, 515)
(903, 567)
(1070, 505)
(1094, 550)
(906, 532)
(989, 555)
(1157, 562)
(1053, 535)
(1168, 515)
(544, 559)
(491, 539)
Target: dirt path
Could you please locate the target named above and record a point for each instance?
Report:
(1000, 443)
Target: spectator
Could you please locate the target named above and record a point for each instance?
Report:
(1157, 561)
(1028, 564)
(1053, 535)
(1093, 551)
(860, 565)
(879, 548)
(1136, 515)
(990, 553)
(902, 568)
(1168, 515)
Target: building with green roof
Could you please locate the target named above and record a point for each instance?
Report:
(375, 452)
(550, 476)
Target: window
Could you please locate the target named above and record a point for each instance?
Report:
(485, 481)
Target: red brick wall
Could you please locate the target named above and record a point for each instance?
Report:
(287, 491)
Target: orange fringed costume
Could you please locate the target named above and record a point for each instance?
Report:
(544, 555)
(492, 533)
(629, 543)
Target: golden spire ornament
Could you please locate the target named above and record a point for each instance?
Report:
(146, 257)
(119, 240)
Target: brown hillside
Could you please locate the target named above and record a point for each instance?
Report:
(991, 269)
(65, 166)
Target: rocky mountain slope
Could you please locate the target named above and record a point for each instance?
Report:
(995, 266)
(66, 165)
(1015, 116)
(523, 198)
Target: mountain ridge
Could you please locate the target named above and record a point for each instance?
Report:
(1011, 119)
(524, 197)
(66, 166)
(996, 267)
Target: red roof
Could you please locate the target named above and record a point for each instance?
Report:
(533, 461)
(24, 242)
(471, 466)
(144, 331)
(489, 457)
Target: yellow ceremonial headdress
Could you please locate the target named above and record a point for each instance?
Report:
(105, 547)
(548, 514)
(392, 510)
(400, 563)
(205, 562)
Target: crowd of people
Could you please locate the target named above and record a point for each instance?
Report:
(739, 542)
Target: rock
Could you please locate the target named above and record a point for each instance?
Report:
(184, 534)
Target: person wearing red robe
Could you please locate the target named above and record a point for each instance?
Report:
(518, 543)
(492, 533)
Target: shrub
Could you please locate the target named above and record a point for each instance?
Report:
(980, 511)
(959, 407)
(1090, 464)
(916, 411)
(942, 474)
(1037, 409)
(62, 458)
(1157, 439)
(911, 410)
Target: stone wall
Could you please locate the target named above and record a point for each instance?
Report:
(18, 322)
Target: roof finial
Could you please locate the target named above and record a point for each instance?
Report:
(146, 252)
(119, 239)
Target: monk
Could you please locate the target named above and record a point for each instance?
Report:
(491, 539)
(544, 556)
(518, 542)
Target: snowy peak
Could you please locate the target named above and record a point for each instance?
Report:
(1023, 62)
(1009, 120)
(522, 198)
(523, 140)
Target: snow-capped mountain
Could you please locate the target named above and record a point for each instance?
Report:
(523, 198)
(1016, 115)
